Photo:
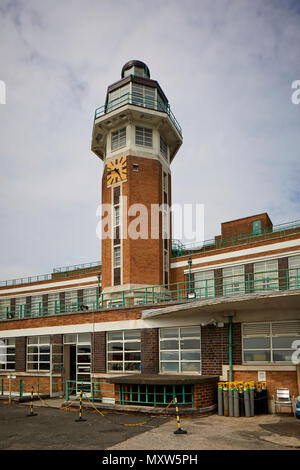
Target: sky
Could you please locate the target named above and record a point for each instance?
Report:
(227, 68)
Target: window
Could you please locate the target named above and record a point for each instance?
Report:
(38, 353)
(204, 283)
(118, 98)
(71, 300)
(7, 354)
(20, 306)
(233, 280)
(53, 302)
(294, 272)
(180, 349)
(269, 342)
(143, 136)
(36, 305)
(117, 257)
(143, 96)
(116, 216)
(118, 138)
(89, 297)
(4, 307)
(163, 148)
(266, 275)
(124, 351)
(137, 71)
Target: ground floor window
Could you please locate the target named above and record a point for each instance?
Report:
(269, 342)
(7, 354)
(38, 353)
(180, 349)
(124, 351)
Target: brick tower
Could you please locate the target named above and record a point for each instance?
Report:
(136, 136)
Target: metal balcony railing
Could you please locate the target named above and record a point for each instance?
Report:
(137, 100)
(287, 279)
(278, 231)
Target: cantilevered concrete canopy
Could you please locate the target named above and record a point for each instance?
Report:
(243, 307)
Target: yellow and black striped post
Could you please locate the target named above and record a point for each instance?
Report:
(31, 404)
(80, 409)
(179, 430)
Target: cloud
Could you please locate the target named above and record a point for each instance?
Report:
(227, 72)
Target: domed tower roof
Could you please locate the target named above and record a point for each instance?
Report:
(135, 63)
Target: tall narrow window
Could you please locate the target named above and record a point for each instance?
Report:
(163, 148)
(118, 138)
(7, 354)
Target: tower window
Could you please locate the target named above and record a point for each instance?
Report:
(143, 136)
(117, 257)
(163, 148)
(118, 138)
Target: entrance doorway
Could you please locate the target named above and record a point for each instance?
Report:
(77, 353)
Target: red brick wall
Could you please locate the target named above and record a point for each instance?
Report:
(205, 394)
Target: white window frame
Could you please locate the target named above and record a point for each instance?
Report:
(294, 272)
(123, 342)
(118, 138)
(180, 350)
(38, 342)
(293, 326)
(204, 283)
(5, 344)
(266, 275)
(233, 280)
(142, 136)
(163, 148)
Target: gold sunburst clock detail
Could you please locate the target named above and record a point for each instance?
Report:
(116, 171)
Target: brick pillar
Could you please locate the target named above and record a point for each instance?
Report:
(218, 274)
(99, 352)
(150, 351)
(62, 301)
(249, 277)
(21, 354)
(28, 305)
(283, 274)
(45, 303)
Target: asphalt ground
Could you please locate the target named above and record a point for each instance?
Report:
(56, 429)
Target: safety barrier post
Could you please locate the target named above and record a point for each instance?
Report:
(31, 404)
(80, 410)
(179, 430)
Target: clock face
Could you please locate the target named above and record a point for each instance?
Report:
(116, 171)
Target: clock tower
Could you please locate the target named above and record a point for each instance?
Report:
(136, 135)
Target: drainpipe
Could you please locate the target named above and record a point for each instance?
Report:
(190, 276)
(230, 348)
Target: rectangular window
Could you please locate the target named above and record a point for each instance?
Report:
(163, 148)
(118, 138)
(143, 96)
(124, 351)
(4, 308)
(89, 297)
(294, 272)
(180, 349)
(116, 216)
(266, 275)
(38, 353)
(53, 302)
(118, 98)
(20, 307)
(36, 305)
(143, 136)
(7, 354)
(269, 342)
(233, 280)
(117, 257)
(204, 284)
(71, 300)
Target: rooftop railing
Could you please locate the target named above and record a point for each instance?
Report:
(137, 100)
(288, 279)
(64, 272)
(278, 231)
